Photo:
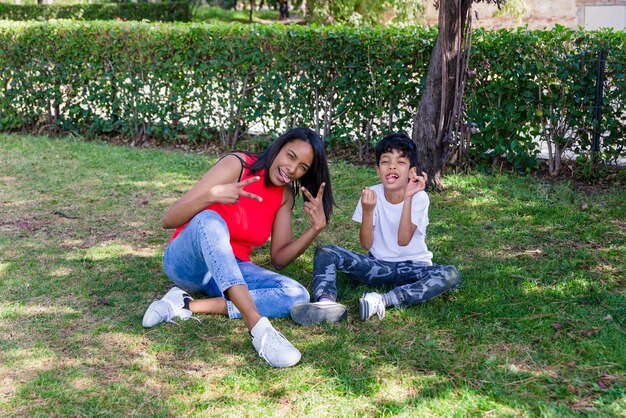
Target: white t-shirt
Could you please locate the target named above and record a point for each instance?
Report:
(386, 222)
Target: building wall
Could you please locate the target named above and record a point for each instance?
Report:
(541, 14)
(596, 2)
(596, 14)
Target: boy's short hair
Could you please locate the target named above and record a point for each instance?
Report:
(399, 142)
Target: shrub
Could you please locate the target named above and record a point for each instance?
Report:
(164, 12)
(197, 82)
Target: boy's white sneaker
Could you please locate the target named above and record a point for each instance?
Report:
(272, 346)
(170, 307)
(371, 304)
(314, 313)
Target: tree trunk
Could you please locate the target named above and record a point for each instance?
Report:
(439, 109)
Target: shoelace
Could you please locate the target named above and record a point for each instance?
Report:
(191, 317)
(263, 339)
(380, 312)
(169, 319)
(380, 309)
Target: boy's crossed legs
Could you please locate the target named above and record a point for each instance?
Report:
(411, 282)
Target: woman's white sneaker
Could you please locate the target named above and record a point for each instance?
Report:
(272, 346)
(173, 305)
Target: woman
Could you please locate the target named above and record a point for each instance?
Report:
(238, 203)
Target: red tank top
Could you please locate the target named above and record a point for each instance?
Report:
(249, 221)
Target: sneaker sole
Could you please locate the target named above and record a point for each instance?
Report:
(364, 310)
(309, 313)
(290, 363)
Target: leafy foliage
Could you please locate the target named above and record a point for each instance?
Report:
(364, 12)
(179, 11)
(201, 81)
(195, 83)
(515, 8)
(527, 85)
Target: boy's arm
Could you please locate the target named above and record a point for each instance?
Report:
(366, 233)
(406, 229)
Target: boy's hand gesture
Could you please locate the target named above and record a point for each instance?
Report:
(368, 200)
(416, 184)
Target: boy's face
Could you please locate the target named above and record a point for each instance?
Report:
(394, 169)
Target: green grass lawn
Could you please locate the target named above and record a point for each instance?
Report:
(213, 14)
(537, 327)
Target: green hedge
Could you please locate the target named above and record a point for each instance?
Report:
(526, 84)
(195, 83)
(164, 12)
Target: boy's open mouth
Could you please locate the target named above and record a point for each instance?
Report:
(391, 178)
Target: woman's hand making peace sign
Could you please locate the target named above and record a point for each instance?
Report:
(219, 185)
(314, 207)
(231, 192)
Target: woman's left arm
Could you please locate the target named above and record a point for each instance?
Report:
(283, 248)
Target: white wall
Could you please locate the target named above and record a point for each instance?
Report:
(596, 17)
(542, 14)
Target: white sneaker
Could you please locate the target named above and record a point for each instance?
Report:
(371, 304)
(170, 307)
(272, 346)
(314, 313)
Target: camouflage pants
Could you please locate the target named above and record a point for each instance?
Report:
(410, 282)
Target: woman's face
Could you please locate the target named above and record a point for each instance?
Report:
(293, 160)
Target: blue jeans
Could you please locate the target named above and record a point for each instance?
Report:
(200, 259)
(410, 282)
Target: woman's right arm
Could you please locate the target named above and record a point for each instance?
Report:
(218, 185)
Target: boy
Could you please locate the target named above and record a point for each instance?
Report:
(393, 217)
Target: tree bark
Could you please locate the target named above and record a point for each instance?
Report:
(440, 105)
